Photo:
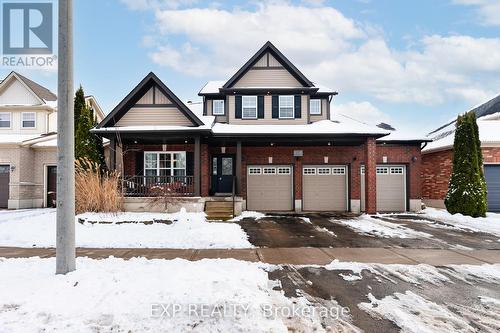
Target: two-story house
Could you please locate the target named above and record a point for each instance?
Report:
(28, 143)
(269, 136)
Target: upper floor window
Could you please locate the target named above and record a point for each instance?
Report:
(218, 107)
(249, 107)
(28, 120)
(5, 120)
(286, 107)
(315, 106)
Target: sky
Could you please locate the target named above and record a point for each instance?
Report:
(413, 64)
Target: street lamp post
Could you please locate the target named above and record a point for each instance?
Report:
(65, 243)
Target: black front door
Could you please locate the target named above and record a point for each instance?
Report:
(222, 173)
(51, 186)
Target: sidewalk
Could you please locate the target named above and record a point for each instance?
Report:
(294, 256)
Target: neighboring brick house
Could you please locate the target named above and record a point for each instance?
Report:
(437, 157)
(28, 143)
(266, 135)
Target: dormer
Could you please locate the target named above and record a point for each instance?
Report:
(267, 89)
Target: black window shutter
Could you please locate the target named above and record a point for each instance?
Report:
(276, 112)
(189, 163)
(260, 107)
(298, 107)
(238, 107)
(139, 163)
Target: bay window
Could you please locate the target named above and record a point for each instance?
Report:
(28, 120)
(5, 120)
(218, 107)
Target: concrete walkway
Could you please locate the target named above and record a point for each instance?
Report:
(294, 256)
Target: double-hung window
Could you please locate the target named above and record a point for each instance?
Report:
(28, 120)
(167, 163)
(286, 104)
(218, 107)
(5, 120)
(315, 106)
(249, 107)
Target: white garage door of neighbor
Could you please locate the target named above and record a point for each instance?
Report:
(324, 188)
(270, 188)
(391, 188)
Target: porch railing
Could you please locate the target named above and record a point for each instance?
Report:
(157, 186)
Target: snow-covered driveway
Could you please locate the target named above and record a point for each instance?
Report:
(37, 227)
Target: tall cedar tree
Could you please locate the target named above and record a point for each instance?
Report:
(87, 144)
(466, 189)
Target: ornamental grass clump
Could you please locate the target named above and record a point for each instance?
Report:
(467, 187)
(95, 190)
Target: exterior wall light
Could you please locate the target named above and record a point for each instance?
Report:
(12, 168)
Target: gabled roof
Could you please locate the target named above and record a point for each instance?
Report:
(136, 93)
(269, 47)
(44, 94)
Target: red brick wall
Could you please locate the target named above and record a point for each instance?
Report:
(436, 171)
(370, 176)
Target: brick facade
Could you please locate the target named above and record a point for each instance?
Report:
(436, 171)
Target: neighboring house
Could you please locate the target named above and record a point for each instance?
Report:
(437, 157)
(28, 143)
(268, 134)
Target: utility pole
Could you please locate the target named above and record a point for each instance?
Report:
(65, 242)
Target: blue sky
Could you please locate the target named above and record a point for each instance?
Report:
(414, 64)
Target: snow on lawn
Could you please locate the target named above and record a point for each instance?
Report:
(489, 224)
(413, 313)
(36, 228)
(248, 214)
(370, 226)
(141, 295)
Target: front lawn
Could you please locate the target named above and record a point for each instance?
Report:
(37, 228)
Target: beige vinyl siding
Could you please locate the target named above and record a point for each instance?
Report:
(268, 113)
(138, 116)
(273, 62)
(15, 93)
(209, 106)
(324, 112)
(267, 78)
(150, 96)
(262, 62)
(147, 98)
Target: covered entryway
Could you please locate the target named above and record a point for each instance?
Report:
(324, 188)
(270, 188)
(492, 175)
(4, 185)
(51, 185)
(391, 188)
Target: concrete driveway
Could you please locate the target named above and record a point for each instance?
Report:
(333, 230)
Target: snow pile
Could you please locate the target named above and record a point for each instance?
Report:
(370, 226)
(355, 267)
(414, 274)
(36, 228)
(489, 273)
(142, 295)
(248, 214)
(488, 224)
(413, 313)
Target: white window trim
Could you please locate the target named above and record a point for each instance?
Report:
(308, 171)
(157, 153)
(324, 171)
(293, 107)
(223, 107)
(320, 109)
(10, 121)
(269, 171)
(22, 120)
(256, 107)
(284, 170)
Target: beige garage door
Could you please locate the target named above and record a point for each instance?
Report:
(324, 188)
(270, 188)
(391, 188)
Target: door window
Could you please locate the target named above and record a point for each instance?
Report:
(227, 166)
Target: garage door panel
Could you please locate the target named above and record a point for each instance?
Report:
(492, 175)
(325, 191)
(272, 191)
(391, 188)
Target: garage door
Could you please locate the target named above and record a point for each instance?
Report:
(324, 188)
(492, 175)
(391, 188)
(270, 188)
(4, 185)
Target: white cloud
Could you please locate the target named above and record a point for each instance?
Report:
(157, 4)
(487, 10)
(361, 111)
(330, 49)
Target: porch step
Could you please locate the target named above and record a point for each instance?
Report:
(219, 210)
